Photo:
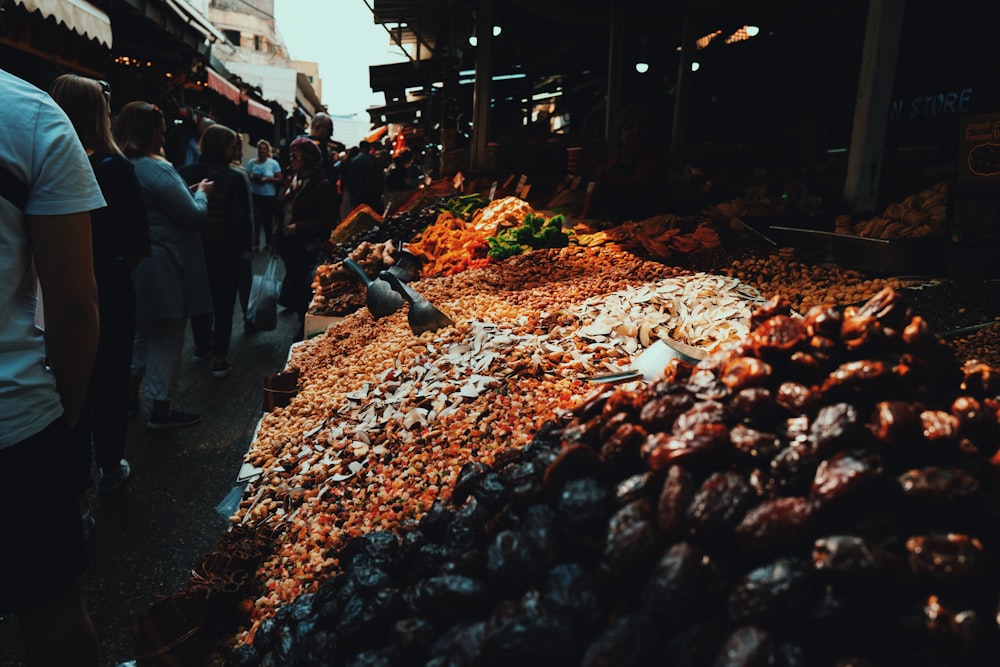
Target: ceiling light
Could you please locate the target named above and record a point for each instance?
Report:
(642, 68)
(752, 30)
(497, 30)
(473, 40)
(695, 66)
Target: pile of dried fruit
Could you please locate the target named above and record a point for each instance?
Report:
(336, 290)
(659, 237)
(808, 285)
(922, 214)
(376, 442)
(820, 492)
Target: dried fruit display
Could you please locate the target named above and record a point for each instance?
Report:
(703, 519)
(658, 237)
(449, 245)
(337, 291)
(808, 285)
(922, 214)
(982, 345)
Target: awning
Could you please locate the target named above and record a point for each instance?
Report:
(191, 15)
(79, 16)
(223, 87)
(376, 134)
(258, 110)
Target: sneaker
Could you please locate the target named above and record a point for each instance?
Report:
(222, 369)
(202, 353)
(176, 419)
(114, 479)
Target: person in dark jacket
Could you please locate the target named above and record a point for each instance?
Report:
(310, 214)
(120, 235)
(226, 237)
(365, 179)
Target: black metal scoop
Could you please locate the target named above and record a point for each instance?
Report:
(380, 297)
(407, 266)
(423, 315)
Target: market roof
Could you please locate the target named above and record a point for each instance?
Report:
(544, 38)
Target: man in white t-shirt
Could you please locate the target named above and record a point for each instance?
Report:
(47, 190)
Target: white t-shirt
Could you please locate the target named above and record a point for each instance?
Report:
(268, 169)
(39, 146)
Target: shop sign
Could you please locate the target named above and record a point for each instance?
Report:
(979, 148)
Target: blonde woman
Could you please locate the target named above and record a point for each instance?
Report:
(172, 283)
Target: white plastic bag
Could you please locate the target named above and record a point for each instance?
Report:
(262, 305)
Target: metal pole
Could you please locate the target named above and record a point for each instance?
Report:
(481, 91)
(682, 95)
(615, 51)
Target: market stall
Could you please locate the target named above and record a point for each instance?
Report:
(395, 501)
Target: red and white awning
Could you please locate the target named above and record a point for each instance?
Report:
(224, 87)
(258, 110)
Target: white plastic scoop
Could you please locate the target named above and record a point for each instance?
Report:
(649, 365)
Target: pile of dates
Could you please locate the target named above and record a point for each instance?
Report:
(819, 493)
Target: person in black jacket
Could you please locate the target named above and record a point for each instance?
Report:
(365, 179)
(120, 235)
(226, 237)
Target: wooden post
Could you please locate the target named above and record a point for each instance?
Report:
(871, 111)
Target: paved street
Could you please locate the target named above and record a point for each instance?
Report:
(148, 537)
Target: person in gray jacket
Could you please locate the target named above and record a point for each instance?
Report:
(172, 283)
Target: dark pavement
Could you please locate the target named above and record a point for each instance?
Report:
(150, 535)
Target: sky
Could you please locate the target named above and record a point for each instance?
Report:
(343, 38)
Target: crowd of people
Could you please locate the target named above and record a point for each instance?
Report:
(120, 236)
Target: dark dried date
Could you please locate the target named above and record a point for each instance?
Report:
(675, 498)
(824, 320)
(938, 426)
(755, 445)
(778, 589)
(869, 376)
(677, 586)
(699, 446)
(747, 646)
(845, 479)
(704, 412)
(797, 398)
(745, 372)
(852, 557)
(937, 488)
(794, 467)
(949, 557)
(778, 522)
(835, 427)
(660, 413)
(753, 406)
(778, 337)
(621, 449)
(632, 541)
(896, 423)
(718, 505)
